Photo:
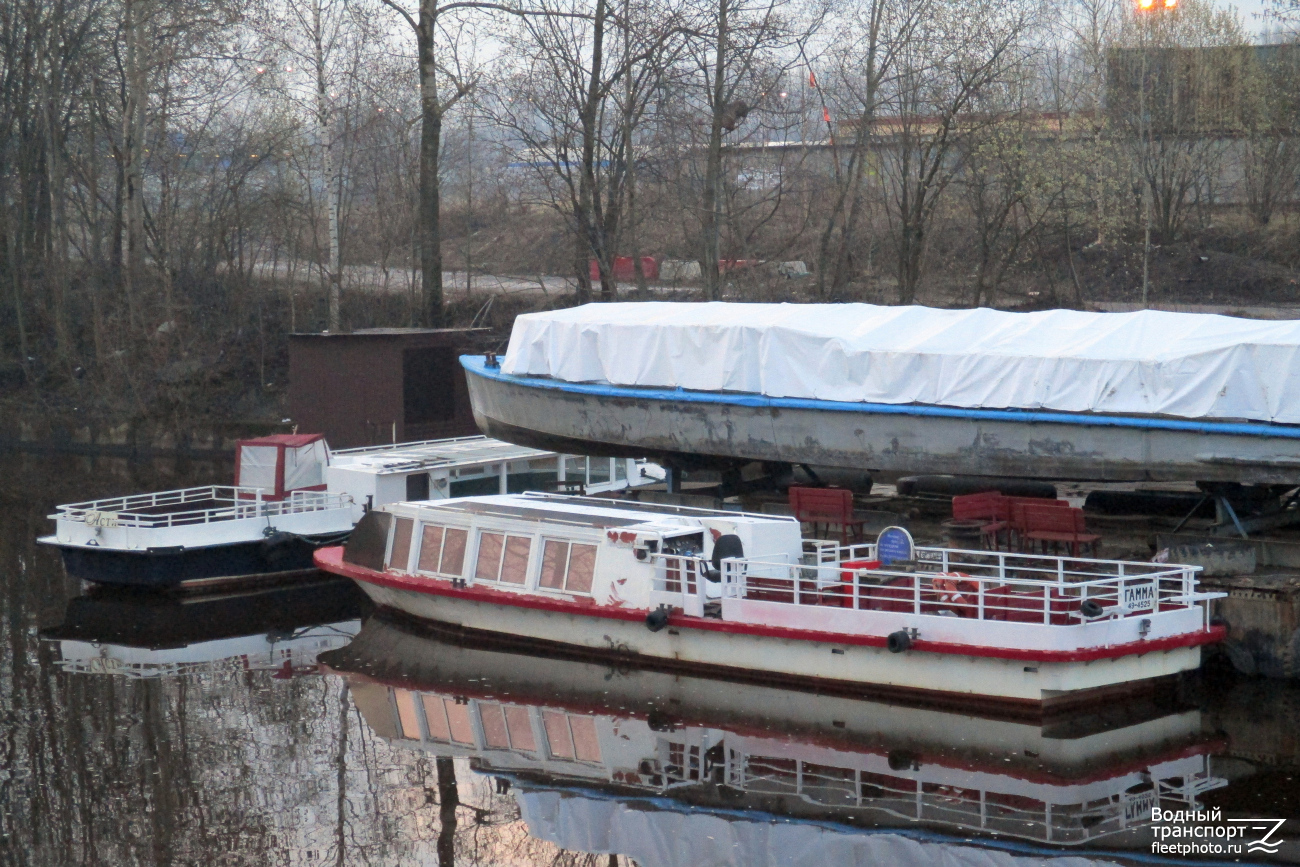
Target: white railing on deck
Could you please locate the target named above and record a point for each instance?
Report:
(200, 505)
(979, 585)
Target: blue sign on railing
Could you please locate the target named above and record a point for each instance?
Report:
(894, 544)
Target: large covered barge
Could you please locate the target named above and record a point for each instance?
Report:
(1147, 396)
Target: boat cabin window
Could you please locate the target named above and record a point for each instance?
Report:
(476, 487)
(567, 566)
(575, 469)
(503, 558)
(442, 550)
(400, 554)
(417, 486)
(534, 475)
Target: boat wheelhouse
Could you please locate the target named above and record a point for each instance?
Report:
(590, 731)
(291, 496)
(742, 594)
(466, 466)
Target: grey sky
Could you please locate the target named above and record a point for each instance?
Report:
(1250, 11)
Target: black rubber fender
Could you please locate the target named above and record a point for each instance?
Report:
(658, 619)
(898, 641)
(277, 546)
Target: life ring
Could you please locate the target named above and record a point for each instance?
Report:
(954, 587)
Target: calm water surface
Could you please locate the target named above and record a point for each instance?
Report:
(291, 726)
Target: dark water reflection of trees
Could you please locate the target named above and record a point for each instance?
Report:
(221, 766)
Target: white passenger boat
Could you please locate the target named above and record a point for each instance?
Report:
(691, 745)
(743, 595)
(292, 495)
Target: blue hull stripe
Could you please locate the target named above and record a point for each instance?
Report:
(476, 365)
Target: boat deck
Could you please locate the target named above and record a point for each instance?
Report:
(189, 506)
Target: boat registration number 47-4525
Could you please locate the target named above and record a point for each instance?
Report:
(1140, 597)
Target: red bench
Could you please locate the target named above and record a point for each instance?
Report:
(1016, 522)
(990, 507)
(1044, 525)
(831, 507)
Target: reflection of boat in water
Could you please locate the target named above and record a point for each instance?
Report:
(586, 745)
(146, 635)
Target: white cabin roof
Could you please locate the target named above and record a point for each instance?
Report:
(592, 511)
(404, 457)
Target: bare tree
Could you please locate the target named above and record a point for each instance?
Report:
(867, 41)
(316, 53)
(575, 97)
(1271, 146)
(1174, 86)
(959, 51)
(732, 38)
(1009, 190)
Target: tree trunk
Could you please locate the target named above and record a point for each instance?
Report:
(430, 147)
(133, 121)
(324, 133)
(711, 205)
(586, 213)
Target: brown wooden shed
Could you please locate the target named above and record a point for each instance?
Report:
(381, 385)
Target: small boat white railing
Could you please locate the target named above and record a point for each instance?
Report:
(979, 585)
(201, 505)
(679, 581)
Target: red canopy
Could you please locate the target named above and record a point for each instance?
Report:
(281, 463)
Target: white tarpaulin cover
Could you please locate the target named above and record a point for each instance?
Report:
(304, 467)
(257, 466)
(667, 838)
(1191, 365)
